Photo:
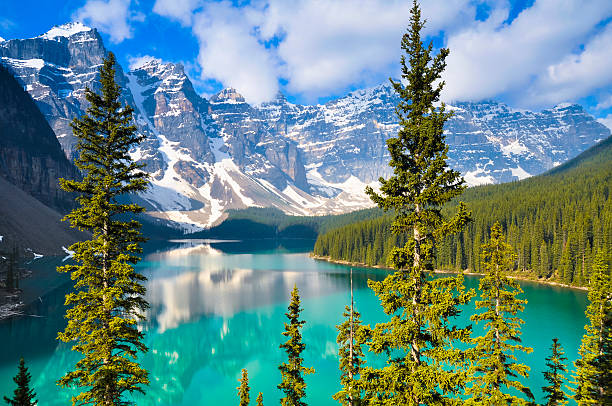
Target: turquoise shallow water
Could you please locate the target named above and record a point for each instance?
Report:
(218, 307)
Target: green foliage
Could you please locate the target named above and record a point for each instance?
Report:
(593, 374)
(23, 394)
(108, 301)
(554, 375)
(292, 371)
(243, 389)
(494, 364)
(351, 337)
(259, 400)
(555, 223)
(423, 366)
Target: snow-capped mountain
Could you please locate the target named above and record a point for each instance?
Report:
(206, 156)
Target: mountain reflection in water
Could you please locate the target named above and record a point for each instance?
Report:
(218, 307)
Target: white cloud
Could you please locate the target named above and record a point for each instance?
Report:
(231, 54)
(530, 62)
(180, 10)
(607, 121)
(113, 17)
(579, 74)
(328, 46)
(551, 52)
(136, 62)
(605, 102)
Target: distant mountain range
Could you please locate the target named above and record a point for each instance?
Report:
(207, 156)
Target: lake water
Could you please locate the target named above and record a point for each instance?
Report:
(218, 307)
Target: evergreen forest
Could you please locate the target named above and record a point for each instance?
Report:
(555, 223)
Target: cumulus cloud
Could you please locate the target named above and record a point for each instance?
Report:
(578, 74)
(113, 17)
(327, 46)
(232, 54)
(531, 60)
(180, 10)
(551, 52)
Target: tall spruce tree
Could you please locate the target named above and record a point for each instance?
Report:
(494, 368)
(351, 337)
(424, 366)
(23, 394)
(108, 301)
(593, 374)
(292, 371)
(243, 389)
(554, 375)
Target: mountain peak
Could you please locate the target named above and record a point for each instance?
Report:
(65, 30)
(227, 95)
(145, 62)
(565, 106)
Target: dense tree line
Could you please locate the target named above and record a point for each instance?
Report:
(267, 222)
(555, 223)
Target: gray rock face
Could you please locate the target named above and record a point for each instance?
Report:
(488, 141)
(30, 155)
(206, 156)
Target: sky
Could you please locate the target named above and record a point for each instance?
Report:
(530, 54)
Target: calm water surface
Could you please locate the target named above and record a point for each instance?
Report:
(218, 307)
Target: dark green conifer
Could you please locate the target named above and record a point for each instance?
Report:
(424, 366)
(23, 394)
(259, 400)
(495, 366)
(108, 301)
(593, 374)
(243, 389)
(554, 375)
(292, 371)
(351, 337)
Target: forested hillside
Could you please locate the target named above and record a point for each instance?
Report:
(257, 222)
(555, 222)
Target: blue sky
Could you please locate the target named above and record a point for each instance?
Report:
(530, 54)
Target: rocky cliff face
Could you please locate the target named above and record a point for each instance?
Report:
(206, 156)
(30, 155)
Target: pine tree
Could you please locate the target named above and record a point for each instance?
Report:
(351, 337)
(23, 395)
(243, 389)
(292, 371)
(423, 367)
(555, 365)
(494, 366)
(593, 374)
(108, 301)
(259, 400)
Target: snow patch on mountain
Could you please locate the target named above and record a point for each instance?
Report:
(65, 30)
(514, 148)
(34, 63)
(520, 173)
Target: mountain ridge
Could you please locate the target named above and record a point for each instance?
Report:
(208, 156)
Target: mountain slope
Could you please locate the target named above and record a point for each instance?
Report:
(209, 156)
(555, 223)
(30, 155)
(29, 224)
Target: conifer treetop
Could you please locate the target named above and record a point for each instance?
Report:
(23, 394)
(108, 298)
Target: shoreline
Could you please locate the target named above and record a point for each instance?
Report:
(438, 271)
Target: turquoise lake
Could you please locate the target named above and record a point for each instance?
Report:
(218, 307)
